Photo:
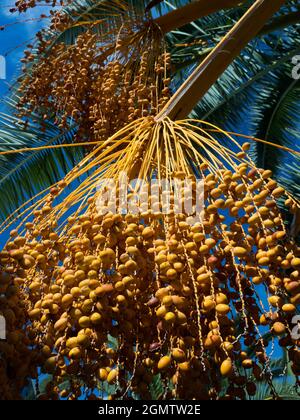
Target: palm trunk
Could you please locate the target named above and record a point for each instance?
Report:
(191, 12)
(206, 74)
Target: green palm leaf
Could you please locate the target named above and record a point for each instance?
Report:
(23, 175)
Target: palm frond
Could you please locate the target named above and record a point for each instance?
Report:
(156, 388)
(23, 175)
(284, 392)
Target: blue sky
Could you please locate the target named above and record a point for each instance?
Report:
(13, 39)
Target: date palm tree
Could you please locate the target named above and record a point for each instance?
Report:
(229, 75)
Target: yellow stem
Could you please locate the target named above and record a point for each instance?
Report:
(57, 146)
(287, 149)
